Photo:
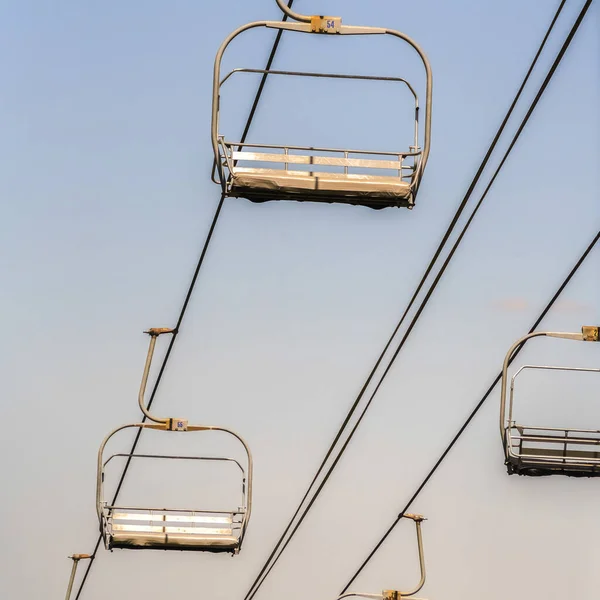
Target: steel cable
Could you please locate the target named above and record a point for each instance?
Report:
(474, 411)
(281, 545)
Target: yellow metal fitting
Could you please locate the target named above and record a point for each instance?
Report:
(417, 518)
(158, 330)
(590, 333)
(177, 425)
(321, 24)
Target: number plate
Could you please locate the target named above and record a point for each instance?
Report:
(325, 24)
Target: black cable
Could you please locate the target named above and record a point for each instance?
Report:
(158, 380)
(187, 297)
(267, 567)
(473, 412)
(264, 77)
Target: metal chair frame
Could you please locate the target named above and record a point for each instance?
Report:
(228, 154)
(107, 513)
(536, 450)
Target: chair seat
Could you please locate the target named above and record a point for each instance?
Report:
(529, 466)
(373, 191)
(172, 530)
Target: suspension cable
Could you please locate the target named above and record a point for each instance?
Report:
(281, 545)
(474, 411)
(188, 295)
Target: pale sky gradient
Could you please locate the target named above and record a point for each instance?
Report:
(105, 160)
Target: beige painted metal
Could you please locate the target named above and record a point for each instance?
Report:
(197, 537)
(75, 558)
(317, 160)
(536, 450)
(170, 517)
(398, 594)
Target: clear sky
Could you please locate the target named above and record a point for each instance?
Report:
(105, 161)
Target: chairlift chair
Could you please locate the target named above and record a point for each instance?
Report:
(194, 529)
(537, 450)
(397, 594)
(288, 174)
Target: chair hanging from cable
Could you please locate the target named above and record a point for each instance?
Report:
(193, 528)
(263, 172)
(537, 450)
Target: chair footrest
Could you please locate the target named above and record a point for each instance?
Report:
(363, 190)
(168, 541)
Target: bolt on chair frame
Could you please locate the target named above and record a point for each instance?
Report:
(397, 594)
(261, 184)
(177, 528)
(536, 451)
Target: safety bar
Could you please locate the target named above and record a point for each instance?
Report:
(326, 76)
(175, 457)
(542, 368)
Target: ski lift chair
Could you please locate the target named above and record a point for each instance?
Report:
(193, 529)
(263, 172)
(535, 450)
(396, 594)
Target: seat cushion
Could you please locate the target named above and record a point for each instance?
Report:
(174, 541)
(368, 190)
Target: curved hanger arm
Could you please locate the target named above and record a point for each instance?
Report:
(397, 594)
(588, 334)
(153, 333)
(292, 14)
(75, 558)
(418, 519)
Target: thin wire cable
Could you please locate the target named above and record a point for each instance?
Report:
(474, 411)
(265, 570)
(188, 296)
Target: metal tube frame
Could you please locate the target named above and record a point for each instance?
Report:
(292, 14)
(304, 26)
(414, 149)
(168, 424)
(153, 333)
(542, 368)
(101, 505)
(397, 594)
(75, 558)
(175, 457)
(587, 334)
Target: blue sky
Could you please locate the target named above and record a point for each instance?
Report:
(104, 167)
